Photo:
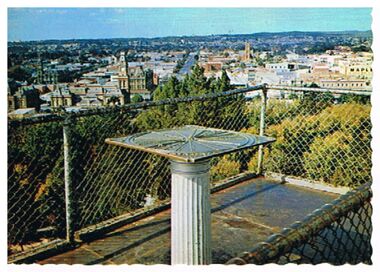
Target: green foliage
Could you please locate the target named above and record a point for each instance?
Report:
(313, 103)
(332, 146)
(20, 73)
(221, 112)
(226, 112)
(137, 98)
(35, 166)
(360, 99)
(313, 85)
(276, 112)
(226, 167)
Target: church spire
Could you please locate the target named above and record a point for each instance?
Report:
(123, 64)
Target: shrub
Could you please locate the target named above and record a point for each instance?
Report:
(331, 146)
(225, 168)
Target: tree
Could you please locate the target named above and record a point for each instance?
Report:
(313, 103)
(137, 98)
(19, 73)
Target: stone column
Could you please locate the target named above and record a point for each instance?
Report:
(191, 213)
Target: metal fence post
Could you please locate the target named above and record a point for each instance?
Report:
(68, 178)
(262, 128)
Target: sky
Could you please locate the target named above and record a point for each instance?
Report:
(92, 23)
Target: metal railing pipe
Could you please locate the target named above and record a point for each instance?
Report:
(68, 178)
(262, 128)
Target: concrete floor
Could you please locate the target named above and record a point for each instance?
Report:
(242, 216)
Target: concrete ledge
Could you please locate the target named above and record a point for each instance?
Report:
(41, 252)
(228, 182)
(308, 183)
(94, 231)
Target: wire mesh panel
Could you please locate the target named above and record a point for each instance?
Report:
(35, 186)
(320, 136)
(338, 233)
(107, 181)
(344, 241)
(110, 181)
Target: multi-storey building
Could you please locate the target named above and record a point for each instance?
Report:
(24, 97)
(356, 69)
(61, 97)
(344, 84)
(134, 80)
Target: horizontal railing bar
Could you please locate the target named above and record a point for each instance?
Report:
(143, 105)
(56, 117)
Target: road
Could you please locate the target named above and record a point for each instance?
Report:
(186, 69)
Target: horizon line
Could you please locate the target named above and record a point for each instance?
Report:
(194, 35)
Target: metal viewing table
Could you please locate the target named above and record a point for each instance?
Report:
(189, 150)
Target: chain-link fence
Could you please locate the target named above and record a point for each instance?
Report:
(36, 210)
(329, 142)
(320, 136)
(105, 181)
(338, 233)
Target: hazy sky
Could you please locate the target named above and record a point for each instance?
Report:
(67, 23)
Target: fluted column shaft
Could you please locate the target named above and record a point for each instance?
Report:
(191, 213)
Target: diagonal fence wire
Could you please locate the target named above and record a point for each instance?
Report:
(338, 233)
(321, 138)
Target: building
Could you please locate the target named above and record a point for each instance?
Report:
(359, 70)
(344, 84)
(238, 79)
(211, 67)
(113, 97)
(123, 76)
(62, 97)
(134, 80)
(25, 97)
(44, 88)
(282, 66)
(141, 81)
(247, 52)
(22, 113)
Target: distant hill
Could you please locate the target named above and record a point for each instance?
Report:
(264, 35)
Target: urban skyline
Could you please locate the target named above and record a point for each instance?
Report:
(92, 23)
